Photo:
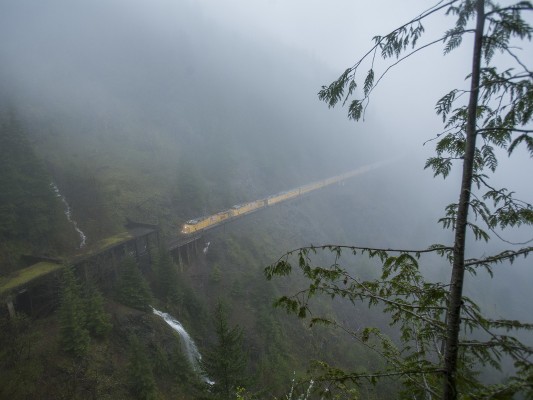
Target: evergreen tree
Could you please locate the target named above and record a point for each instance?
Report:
(15, 340)
(20, 373)
(435, 361)
(225, 363)
(73, 333)
(98, 321)
(167, 276)
(141, 378)
(133, 290)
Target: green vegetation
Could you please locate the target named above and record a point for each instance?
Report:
(276, 346)
(55, 358)
(444, 337)
(225, 363)
(97, 320)
(212, 141)
(141, 378)
(133, 289)
(31, 216)
(167, 277)
(25, 275)
(73, 331)
(19, 377)
(81, 313)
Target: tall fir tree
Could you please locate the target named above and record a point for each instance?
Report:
(74, 336)
(440, 327)
(20, 373)
(141, 378)
(167, 276)
(98, 321)
(133, 290)
(225, 363)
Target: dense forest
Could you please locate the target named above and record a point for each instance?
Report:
(160, 120)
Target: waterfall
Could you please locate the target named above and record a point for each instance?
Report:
(68, 213)
(188, 345)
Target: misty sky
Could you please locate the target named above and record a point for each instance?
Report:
(335, 33)
(332, 33)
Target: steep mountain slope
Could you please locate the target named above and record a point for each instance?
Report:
(32, 219)
(163, 118)
(167, 111)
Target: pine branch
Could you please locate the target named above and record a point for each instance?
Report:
(526, 7)
(334, 92)
(335, 247)
(338, 376)
(481, 130)
(498, 258)
(514, 352)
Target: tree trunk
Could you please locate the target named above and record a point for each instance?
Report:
(458, 270)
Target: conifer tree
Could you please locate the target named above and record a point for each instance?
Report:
(225, 363)
(73, 333)
(167, 276)
(133, 290)
(141, 378)
(20, 373)
(438, 358)
(98, 321)
(15, 339)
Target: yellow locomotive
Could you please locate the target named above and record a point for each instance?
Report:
(199, 224)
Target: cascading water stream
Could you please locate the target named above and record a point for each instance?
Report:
(188, 345)
(68, 213)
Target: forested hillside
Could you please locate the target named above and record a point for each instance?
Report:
(160, 115)
(31, 217)
(161, 134)
(195, 122)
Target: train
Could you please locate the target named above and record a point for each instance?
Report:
(210, 221)
(199, 224)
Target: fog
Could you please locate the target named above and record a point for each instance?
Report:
(153, 63)
(196, 79)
